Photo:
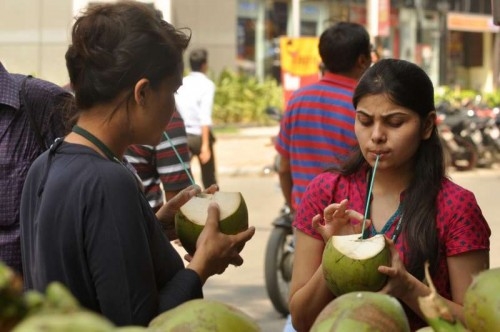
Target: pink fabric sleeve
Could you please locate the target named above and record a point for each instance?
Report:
(467, 230)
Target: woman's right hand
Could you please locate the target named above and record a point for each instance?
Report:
(166, 214)
(338, 220)
(216, 250)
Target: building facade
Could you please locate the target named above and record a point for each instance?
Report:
(455, 41)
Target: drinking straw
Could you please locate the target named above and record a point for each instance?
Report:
(368, 198)
(179, 157)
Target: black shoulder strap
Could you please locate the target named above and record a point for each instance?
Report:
(31, 117)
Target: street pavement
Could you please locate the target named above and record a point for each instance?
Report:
(241, 159)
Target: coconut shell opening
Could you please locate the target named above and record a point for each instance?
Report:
(191, 218)
(355, 247)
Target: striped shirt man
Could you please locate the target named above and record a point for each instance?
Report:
(158, 166)
(317, 129)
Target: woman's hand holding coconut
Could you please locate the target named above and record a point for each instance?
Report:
(166, 214)
(408, 289)
(216, 250)
(400, 283)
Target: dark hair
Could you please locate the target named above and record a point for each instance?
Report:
(341, 45)
(115, 45)
(197, 58)
(407, 85)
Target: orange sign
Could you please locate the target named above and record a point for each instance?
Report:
(471, 22)
(300, 62)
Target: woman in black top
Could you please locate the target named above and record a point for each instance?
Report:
(84, 220)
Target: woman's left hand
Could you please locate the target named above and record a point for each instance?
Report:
(399, 281)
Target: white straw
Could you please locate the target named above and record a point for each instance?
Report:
(368, 198)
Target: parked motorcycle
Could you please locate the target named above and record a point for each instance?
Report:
(491, 136)
(279, 261)
(486, 119)
(459, 151)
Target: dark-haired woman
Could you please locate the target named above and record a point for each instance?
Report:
(84, 219)
(427, 216)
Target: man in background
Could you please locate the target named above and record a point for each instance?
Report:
(163, 169)
(317, 129)
(33, 113)
(194, 100)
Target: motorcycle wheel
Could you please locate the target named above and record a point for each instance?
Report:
(278, 267)
(467, 158)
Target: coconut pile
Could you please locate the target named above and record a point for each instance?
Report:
(58, 310)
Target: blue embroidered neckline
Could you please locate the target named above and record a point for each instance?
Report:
(388, 224)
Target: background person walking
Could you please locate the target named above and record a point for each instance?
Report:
(194, 100)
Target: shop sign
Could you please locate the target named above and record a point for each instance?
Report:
(471, 22)
(300, 62)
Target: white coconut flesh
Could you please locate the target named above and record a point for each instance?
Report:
(196, 208)
(354, 247)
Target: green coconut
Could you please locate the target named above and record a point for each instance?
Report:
(350, 263)
(202, 315)
(362, 311)
(435, 310)
(12, 308)
(482, 302)
(191, 218)
(78, 321)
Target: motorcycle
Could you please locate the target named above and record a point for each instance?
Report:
(459, 151)
(279, 260)
(486, 119)
(280, 246)
(470, 138)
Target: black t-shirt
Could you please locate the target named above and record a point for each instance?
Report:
(85, 222)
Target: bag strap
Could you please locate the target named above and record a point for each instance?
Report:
(41, 142)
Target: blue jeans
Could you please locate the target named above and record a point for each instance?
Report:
(288, 325)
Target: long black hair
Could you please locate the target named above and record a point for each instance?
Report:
(407, 85)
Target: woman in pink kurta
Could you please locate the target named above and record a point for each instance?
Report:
(427, 216)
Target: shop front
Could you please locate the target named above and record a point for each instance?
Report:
(261, 24)
(473, 51)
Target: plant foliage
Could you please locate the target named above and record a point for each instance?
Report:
(242, 99)
(460, 97)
